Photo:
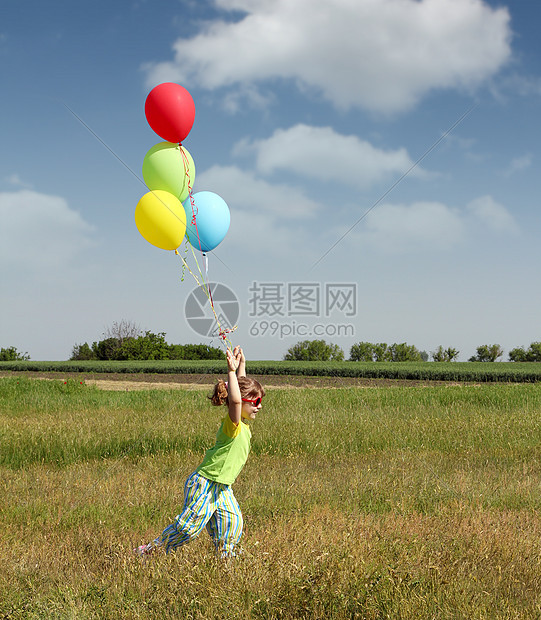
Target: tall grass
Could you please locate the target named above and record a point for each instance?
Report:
(369, 503)
(66, 422)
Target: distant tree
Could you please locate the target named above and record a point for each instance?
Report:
(106, 349)
(445, 355)
(518, 355)
(82, 352)
(110, 347)
(195, 352)
(362, 352)
(532, 354)
(487, 353)
(10, 354)
(147, 347)
(176, 352)
(314, 350)
(122, 331)
(382, 352)
(403, 352)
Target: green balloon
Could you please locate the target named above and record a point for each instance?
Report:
(165, 167)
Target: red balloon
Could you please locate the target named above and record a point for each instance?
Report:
(170, 111)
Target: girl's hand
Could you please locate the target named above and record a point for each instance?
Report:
(233, 391)
(241, 369)
(233, 359)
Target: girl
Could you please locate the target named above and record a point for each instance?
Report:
(208, 498)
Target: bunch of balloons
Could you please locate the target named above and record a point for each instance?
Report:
(170, 210)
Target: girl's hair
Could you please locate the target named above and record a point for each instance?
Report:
(249, 388)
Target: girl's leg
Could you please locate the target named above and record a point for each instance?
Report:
(197, 510)
(225, 525)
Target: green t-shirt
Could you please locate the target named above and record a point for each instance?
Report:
(223, 462)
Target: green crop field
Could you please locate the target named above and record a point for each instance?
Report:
(378, 502)
(506, 372)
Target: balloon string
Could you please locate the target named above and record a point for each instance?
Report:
(205, 278)
(206, 264)
(190, 194)
(185, 254)
(222, 331)
(205, 284)
(193, 206)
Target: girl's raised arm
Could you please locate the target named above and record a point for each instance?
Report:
(241, 370)
(234, 397)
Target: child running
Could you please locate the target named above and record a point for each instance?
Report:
(208, 498)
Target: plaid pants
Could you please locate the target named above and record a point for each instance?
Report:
(206, 504)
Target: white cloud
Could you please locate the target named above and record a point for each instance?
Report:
(262, 212)
(40, 231)
(518, 163)
(514, 84)
(15, 179)
(491, 214)
(236, 99)
(382, 55)
(432, 226)
(421, 226)
(268, 220)
(245, 191)
(321, 153)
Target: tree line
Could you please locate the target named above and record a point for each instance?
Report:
(319, 350)
(125, 341)
(148, 346)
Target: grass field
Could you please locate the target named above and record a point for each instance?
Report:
(382, 502)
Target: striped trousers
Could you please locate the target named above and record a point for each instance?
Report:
(206, 504)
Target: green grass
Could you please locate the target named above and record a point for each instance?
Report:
(402, 502)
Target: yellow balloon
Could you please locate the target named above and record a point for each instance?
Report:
(161, 219)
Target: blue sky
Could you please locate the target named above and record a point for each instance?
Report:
(307, 115)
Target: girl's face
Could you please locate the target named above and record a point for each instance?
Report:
(250, 408)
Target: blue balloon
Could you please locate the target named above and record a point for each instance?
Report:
(212, 219)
